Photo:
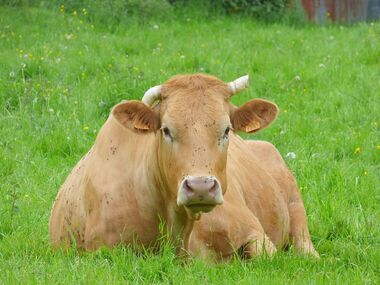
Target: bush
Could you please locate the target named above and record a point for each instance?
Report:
(115, 12)
(258, 9)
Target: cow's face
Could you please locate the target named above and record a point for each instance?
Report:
(193, 122)
(195, 128)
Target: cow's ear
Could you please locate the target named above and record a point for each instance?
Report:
(136, 116)
(253, 115)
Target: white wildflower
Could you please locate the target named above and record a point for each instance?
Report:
(12, 74)
(297, 78)
(291, 155)
(101, 103)
(156, 27)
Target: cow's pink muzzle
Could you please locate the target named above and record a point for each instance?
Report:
(200, 193)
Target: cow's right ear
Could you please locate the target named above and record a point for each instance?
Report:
(136, 116)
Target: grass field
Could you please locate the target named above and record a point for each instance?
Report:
(60, 75)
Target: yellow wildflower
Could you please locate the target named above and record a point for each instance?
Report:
(85, 128)
(357, 150)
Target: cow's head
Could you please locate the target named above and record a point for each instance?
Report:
(192, 118)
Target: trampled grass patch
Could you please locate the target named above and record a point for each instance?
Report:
(60, 75)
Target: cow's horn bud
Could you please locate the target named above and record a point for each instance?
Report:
(239, 84)
(152, 95)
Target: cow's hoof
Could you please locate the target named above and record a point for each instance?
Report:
(255, 248)
(307, 249)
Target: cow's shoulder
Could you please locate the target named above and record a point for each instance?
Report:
(272, 162)
(265, 151)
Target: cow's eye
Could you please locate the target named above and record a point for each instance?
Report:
(166, 133)
(226, 132)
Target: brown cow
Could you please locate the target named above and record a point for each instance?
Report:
(173, 157)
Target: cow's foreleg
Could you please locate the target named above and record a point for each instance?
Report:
(259, 244)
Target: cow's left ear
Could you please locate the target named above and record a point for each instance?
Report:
(253, 115)
(136, 116)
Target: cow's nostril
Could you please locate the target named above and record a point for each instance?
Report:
(213, 188)
(188, 187)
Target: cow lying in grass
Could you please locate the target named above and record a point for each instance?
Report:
(174, 157)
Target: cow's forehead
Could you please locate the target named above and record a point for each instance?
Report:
(194, 97)
(190, 107)
(194, 84)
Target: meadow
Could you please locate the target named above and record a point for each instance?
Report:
(60, 75)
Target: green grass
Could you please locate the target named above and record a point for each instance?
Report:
(60, 75)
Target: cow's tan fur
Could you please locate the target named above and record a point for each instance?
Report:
(128, 182)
